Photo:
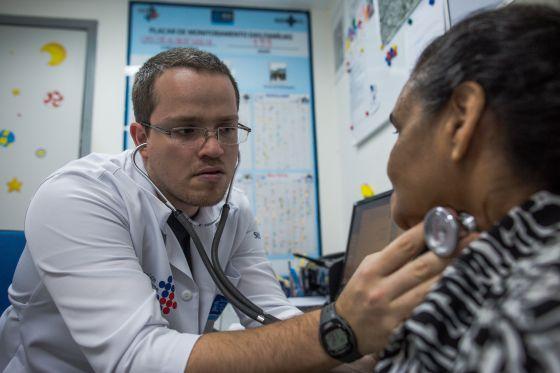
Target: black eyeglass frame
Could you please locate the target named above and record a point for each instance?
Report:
(169, 132)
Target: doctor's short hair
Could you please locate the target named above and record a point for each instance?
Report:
(143, 98)
(514, 54)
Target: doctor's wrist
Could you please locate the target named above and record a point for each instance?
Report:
(337, 336)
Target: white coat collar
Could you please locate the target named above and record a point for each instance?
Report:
(161, 211)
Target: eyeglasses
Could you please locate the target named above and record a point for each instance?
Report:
(230, 135)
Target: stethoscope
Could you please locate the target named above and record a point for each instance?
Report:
(443, 229)
(237, 299)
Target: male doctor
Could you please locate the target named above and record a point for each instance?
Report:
(105, 285)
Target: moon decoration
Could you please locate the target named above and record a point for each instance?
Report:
(57, 52)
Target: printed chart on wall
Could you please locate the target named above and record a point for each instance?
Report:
(42, 74)
(268, 52)
(382, 41)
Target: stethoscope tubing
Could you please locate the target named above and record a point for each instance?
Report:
(237, 299)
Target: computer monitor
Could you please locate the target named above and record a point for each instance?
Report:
(459, 9)
(371, 229)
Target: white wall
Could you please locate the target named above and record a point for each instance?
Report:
(366, 163)
(109, 83)
(343, 167)
(329, 155)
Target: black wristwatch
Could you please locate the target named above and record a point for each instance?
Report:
(337, 337)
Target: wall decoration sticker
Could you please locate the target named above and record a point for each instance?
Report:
(14, 185)
(7, 137)
(57, 53)
(53, 98)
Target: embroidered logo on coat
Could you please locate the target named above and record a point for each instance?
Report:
(166, 295)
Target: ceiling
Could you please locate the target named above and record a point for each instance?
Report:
(278, 4)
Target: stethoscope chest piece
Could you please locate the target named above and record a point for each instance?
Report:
(443, 229)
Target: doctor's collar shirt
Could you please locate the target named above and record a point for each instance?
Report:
(103, 284)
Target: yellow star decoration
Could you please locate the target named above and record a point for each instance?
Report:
(16, 91)
(14, 185)
(367, 191)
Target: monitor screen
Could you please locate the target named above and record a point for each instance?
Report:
(459, 9)
(371, 230)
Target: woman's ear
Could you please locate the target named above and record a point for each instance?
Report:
(467, 102)
(138, 133)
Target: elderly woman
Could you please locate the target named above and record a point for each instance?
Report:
(478, 128)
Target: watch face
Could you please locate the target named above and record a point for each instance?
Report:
(337, 340)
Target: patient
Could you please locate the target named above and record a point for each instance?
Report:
(479, 130)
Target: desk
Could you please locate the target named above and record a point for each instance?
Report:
(229, 320)
(306, 304)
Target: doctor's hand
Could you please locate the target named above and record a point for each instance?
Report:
(388, 285)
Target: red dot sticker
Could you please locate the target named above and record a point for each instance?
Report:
(172, 296)
(165, 310)
(169, 303)
(174, 305)
(162, 300)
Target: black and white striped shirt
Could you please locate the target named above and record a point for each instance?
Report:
(497, 307)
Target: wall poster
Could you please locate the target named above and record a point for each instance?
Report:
(269, 54)
(383, 39)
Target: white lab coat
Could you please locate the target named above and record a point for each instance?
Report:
(87, 291)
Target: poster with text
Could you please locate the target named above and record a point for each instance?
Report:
(269, 54)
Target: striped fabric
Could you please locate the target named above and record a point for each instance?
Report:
(497, 307)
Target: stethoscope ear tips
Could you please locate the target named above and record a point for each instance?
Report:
(443, 229)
